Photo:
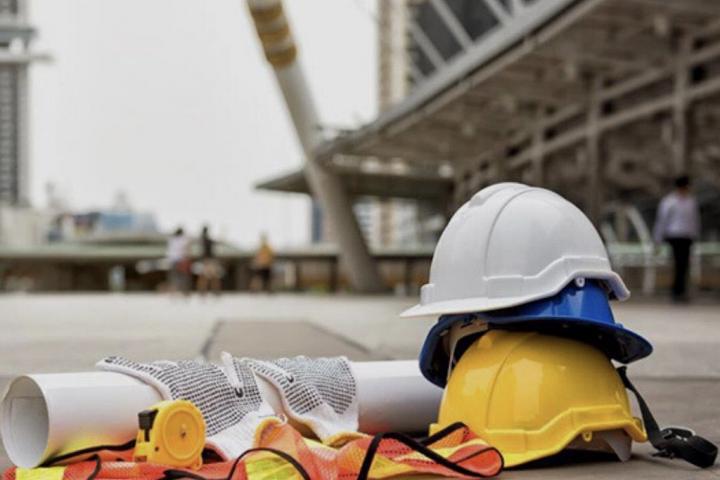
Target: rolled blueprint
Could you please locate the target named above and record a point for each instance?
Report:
(46, 415)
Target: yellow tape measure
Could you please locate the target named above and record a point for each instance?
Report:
(171, 433)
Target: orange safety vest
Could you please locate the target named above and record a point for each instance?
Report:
(282, 453)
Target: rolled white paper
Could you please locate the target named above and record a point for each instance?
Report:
(393, 396)
(46, 415)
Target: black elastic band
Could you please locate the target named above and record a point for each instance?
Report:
(66, 456)
(98, 465)
(440, 434)
(672, 442)
(172, 474)
(285, 456)
(421, 447)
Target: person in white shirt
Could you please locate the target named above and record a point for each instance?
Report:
(678, 223)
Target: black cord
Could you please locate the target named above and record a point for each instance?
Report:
(672, 442)
(85, 451)
(440, 434)
(98, 466)
(421, 447)
(363, 474)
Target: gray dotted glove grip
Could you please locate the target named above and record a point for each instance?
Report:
(318, 392)
(232, 411)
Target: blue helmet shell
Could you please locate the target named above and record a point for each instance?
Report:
(580, 311)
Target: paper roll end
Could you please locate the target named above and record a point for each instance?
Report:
(24, 422)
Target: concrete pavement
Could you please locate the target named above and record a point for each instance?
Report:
(43, 333)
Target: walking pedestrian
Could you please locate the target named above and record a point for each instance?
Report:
(678, 223)
(211, 271)
(178, 255)
(262, 264)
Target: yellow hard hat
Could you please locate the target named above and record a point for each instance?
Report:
(531, 395)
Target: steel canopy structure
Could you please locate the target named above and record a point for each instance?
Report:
(415, 185)
(598, 99)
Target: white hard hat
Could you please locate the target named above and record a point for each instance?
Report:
(512, 244)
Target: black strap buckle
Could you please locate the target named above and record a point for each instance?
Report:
(672, 442)
(676, 432)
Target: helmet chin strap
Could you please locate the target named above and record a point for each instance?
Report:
(672, 442)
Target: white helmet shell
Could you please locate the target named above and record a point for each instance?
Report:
(512, 244)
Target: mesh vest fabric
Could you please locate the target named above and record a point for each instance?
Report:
(319, 462)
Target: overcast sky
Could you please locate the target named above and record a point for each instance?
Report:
(171, 102)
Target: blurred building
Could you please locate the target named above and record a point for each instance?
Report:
(384, 221)
(15, 56)
(19, 223)
(604, 101)
(119, 223)
(103, 225)
(387, 218)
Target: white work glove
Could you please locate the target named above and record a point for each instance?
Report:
(231, 404)
(318, 392)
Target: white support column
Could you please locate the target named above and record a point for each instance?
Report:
(538, 146)
(280, 51)
(680, 137)
(594, 167)
(622, 222)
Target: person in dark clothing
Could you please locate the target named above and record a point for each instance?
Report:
(178, 254)
(211, 272)
(678, 224)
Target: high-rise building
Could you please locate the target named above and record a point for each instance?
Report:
(15, 36)
(400, 67)
(384, 229)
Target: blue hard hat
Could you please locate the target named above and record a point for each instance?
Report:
(580, 311)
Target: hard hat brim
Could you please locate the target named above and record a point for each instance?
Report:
(616, 342)
(579, 312)
(617, 288)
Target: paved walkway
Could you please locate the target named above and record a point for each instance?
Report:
(48, 333)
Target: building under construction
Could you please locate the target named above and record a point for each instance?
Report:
(604, 101)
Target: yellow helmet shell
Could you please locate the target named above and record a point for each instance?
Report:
(530, 395)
